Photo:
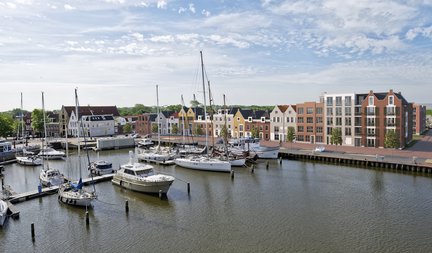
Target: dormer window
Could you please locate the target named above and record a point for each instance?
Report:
(391, 100)
(250, 119)
(262, 119)
(200, 117)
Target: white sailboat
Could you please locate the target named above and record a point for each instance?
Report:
(26, 157)
(141, 178)
(3, 212)
(204, 162)
(74, 193)
(48, 176)
(157, 155)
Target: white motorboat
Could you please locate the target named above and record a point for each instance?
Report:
(51, 177)
(319, 149)
(101, 167)
(145, 143)
(204, 163)
(73, 194)
(253, 146)
(3, 212)
(31, 160)
(141, 178)
(51, 154)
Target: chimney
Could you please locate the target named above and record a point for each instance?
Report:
(391, 91)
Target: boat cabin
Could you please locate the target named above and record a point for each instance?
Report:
(145, 172)
(5, 146)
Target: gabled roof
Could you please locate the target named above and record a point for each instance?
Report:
(283, 108)
(198, 112)
(168, 114)
(246, 113)
(152, 117)
(261, 113)
(93, 110)
(294, 107)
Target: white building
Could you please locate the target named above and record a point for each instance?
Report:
(339, 112)
(281, 118)
(92, 125)
(219, 119)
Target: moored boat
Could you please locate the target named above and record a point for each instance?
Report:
(3, 212)
(204, 163)
(101, 167)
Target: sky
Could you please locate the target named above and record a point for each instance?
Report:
(256, 52)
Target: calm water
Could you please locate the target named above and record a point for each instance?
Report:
(294, 207)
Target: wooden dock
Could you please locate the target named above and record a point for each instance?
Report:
(21, 197)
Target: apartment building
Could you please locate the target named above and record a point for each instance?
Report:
(257, 119)
(310, 122)
(419, 119)
(222, 117)
(383, 112)
(281, 118)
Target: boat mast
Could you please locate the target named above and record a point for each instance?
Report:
(22, 118)
(225, 136)
(205, 105)
(183, 120)
(45, 132)
(211, 113)
(157, 111)
(78, 132)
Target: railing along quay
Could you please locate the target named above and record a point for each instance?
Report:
(339, 159)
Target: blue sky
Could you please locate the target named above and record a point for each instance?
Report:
(256, 52)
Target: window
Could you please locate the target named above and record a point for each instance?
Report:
(266, 128)
(319, 110)
(300, 137)
(300, 110)
(319, 120)
(309, 120)
(329, 111)
(300, 129)
(309, 129)
(338, 101)
(347, 111)
(347, 121)
(338, 121)
(329, 121)
(319, 139)
(329, 101)
(277, 119)
(391, 100)
(292, 120)
(250, 119)
(307, 138)
(371, 100)
(319, 129)
(347, 100)
(347, 131)
(300, 120)
(309, 110)
(276, 128)
(338, 111)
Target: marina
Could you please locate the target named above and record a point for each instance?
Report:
(294, 205)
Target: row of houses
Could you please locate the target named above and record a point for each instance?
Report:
(363, 120)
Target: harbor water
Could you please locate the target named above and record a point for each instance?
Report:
(290, 207)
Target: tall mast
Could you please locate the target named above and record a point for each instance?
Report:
(78, 128)
(183, 120)
(205, 105)
(157, 111)
(211, 112)
(44, 123)
(22, 118)
(225, 137)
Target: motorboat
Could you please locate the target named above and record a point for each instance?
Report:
(101, 167)
(204, 163)
(159, 156)
(141, 178)
(3, 212)
(31, 160)
(51, 177)
(319, 149)
(74, 194)
(145, 143)
(252, 145)
(51, 154)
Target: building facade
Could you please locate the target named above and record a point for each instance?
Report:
(281, 118)
(419, 119)
(310, 122)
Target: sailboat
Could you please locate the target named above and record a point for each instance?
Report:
(26, 157)
(3, 212)
(205, 162)
(157, 155)
(73, 193)
(48, 176)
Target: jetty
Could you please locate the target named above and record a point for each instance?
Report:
(46, 191)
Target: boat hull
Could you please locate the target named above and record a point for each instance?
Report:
(220, 166)
(238, 162)
(3, 212)
(29, 161)
(139, 186)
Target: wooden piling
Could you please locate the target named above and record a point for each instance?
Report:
(160, 194)
(188, 188)
(267, 165)
(253, 169)
(127, 206)
(32, 231)
(280, 160)
(87, 218)
(232, 174)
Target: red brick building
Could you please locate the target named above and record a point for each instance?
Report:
(310, 124)
(383, 112)
(419, 119)
(257, 119)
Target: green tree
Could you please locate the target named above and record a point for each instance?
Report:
(37, 121)
(255, 132)
(175, 108)
(195, 103)
(127, 128)
(154, 128)
(198, 130)
(391, 140)
(290, 134)
(336, 136)
(6, 125)
(175, 129)
(224, 132)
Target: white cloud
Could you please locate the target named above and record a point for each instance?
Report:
(115, 1)
(192, 8)
(161, 4)
(163, 39)
(238, 22)
(138, 36)
(226, 40)
(68, 7)
(205, 13)
(422, 31)
(181, 10)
